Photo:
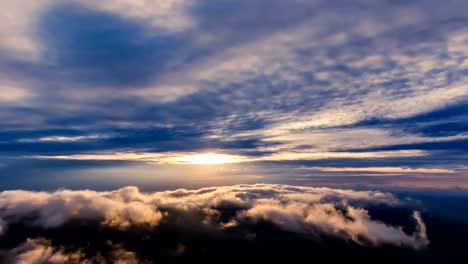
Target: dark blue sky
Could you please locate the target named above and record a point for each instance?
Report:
(110, 93)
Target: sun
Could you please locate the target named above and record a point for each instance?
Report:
(206, 158)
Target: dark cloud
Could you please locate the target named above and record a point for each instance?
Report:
(454, 145)
(225, 18)
(156, 139)
(441, 122)
(443, 129)
(99, 48)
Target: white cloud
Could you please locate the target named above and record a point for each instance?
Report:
(166, 14)
(204, 158)
(333, 212)
(18, 18)
(304, 210)
(13, 94)
(121, 208)
(376, 104)
(351, 223)
(62, 138)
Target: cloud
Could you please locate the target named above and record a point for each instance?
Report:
(113, 51)
(349, 222)
(122, 208)
(171, 15)
(384, 170)
(41, 251)
(16, 28)
(303, 209)
(266, 79)
(456, 144)
(62, 138)
(12, 94)
(310, 211)
(194, 158)
(17, 33)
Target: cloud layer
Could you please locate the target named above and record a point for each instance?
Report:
(121, 208)
(303, 82)
(312, 212)
(40, 250)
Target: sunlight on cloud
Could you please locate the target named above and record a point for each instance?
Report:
(305, 210)
(61, 138)
(166, 14)
(171, 158)
(375, 104)
(12, 94)
(296, 85)
(356, 155)
(15, 28)
(124, 156)
(213, 158)
(207, 158)
(41, 250)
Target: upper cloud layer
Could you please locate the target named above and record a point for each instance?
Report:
(283, 82)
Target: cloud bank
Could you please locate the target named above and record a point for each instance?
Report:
(121, 208)
(306, 211)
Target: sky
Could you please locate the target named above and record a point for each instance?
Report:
(174, 93)
(174, 131)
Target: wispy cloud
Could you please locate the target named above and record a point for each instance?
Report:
(297, 82)
(398, 170)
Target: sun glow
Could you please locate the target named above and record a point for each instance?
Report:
(206, 158)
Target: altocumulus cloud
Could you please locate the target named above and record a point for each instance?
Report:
(312, 212)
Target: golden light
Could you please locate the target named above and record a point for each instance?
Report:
(206, 158)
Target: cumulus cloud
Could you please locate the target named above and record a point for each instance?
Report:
(348, 222)
(306, 210)
(121, 208)
(246, 196)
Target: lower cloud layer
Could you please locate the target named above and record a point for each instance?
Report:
(305, 211)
